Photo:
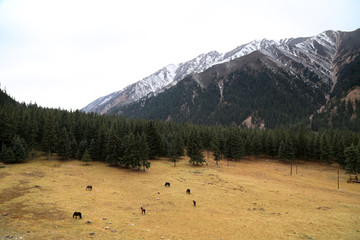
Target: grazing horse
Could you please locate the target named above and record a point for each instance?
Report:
(76, 214)
(194, 203)
(142, 210)
(188, 191)
(89, 187)
(167, 184)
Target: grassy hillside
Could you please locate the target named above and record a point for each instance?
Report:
(251, 199)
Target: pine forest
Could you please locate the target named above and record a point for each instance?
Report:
(131, 143)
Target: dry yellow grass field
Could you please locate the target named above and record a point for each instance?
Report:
(250, 199)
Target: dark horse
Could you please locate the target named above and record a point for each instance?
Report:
(194, 203)
(89, 187)
(142, 210)
(76, 214)
(167, 184)
(188, 191)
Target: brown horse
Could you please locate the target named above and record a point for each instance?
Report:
(89, 187)
(143, 210)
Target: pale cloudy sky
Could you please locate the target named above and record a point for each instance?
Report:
(67, 53)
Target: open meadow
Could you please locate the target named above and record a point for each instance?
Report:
(250, 199)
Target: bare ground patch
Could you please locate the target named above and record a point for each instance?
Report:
(11, 193)
(4, 174)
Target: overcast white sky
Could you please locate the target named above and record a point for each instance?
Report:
(67, 53)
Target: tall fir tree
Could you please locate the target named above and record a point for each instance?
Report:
(352, 160)
(64, 145)
(73, 147)
(7, 155)
(194, 148)
(49, 135)
(83, 145)
(325, 149)
(269, 144)
(154, 140)
(143, 150)
(214, 145)
(301, 142)
(19, 149)
(173, 152)
(92, 149)
(282, 155)
(86, 157)
(129, 158)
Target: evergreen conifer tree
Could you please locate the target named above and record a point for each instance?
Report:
(324, 149)
(269, 144)
(282, 151)
(86, 157)
(92, 149)
(143, 151)
(83, 145)
(154, 140)
(214, 144)
(64, 146)
(352, 160)
(49, 135)
(316, 148)
(19, 149)
(256, 142)
(7, 155)
(73, 148)
(239, 148)
(173, 151)
(194, 148)
(129, 158)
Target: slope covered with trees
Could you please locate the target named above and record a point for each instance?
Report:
(132, 142)
(230, 93)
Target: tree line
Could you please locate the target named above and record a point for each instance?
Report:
(132, 143)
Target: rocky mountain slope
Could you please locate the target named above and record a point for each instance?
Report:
(316, 62)
(173, 73)
(277, 83)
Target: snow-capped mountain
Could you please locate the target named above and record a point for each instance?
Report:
(165, 77)
(275, 83)
(315, 53)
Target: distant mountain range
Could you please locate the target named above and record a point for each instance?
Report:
(264, 83)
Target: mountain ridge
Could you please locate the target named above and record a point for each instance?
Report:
(283, 83)
(171, 74)
(309, 57)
